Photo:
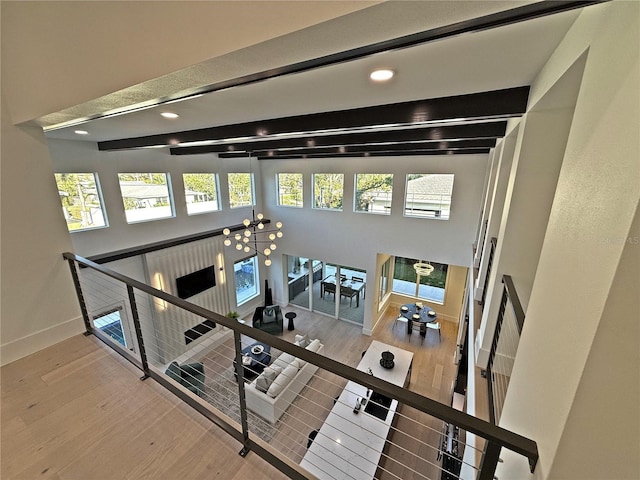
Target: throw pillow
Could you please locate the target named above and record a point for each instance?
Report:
(314, 345)
(265, 379)
(269, 314)
(302, 340)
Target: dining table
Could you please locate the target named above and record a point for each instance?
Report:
(414, 312)
(348, 288)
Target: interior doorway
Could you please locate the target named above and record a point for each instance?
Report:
(330, 289)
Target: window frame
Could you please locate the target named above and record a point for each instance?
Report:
(216, 182)
(241, 300)
(98, 195)
(314, 199)
(279, 193)
(416, 292)
(167, 184)
(386, 209)
(436, 214)
(252, 189)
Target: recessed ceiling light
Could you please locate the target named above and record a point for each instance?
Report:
(169, 115)
(381, 75)
(81, 132)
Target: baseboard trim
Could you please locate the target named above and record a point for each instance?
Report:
(34, 342)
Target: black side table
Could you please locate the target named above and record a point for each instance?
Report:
(290, 316)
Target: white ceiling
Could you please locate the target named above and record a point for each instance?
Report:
(494, 59)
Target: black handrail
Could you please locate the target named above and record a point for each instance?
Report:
(493, 433)
(492, 251)
(518, 311)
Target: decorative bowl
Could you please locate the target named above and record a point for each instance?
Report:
(257, 349)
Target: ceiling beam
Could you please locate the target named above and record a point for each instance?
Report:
(387, 147)
(495, 104)
(477, 131)
(381, 153)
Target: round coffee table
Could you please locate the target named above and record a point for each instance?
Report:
(257, 363)
(290, 316)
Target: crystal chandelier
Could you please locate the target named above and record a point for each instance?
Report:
(255, 237)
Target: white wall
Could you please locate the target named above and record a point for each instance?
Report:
(39, 306)
(163, 267)
(323, 235)
(562, 362)
(57, 55)
(68, 156)
(354, 239)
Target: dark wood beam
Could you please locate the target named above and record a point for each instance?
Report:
(477, 131)
(397, 147)
(485, 105)
(390, 153)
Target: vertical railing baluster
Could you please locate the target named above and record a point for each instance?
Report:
(241, 395)
(83, 306)
(136, 325)
(489, 461)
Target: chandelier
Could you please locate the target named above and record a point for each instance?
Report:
(255, 237)
(423, 269)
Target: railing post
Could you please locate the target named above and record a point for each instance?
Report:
(136, 325)
(490, 461)
(241, 395)
(83, 306)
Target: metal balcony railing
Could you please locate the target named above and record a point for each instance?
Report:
(411, 443)
(504, 347)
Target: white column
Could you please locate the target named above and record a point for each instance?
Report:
(523, 222)
(497, 204)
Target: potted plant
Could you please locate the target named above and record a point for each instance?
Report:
(233, 314)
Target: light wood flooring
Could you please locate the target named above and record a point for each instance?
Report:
(79, 411)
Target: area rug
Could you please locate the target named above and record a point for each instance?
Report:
(222, 393)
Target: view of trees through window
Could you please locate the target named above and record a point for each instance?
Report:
(430, 287)
(328, 190)
(81, 200)
(145, 196)
(290, 189)
(373, 193)
(201, 192)
(240, 190)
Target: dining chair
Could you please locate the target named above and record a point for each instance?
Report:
(329, 288)
(435, 326)
(402, 320)
(364, 288)
(417, 325)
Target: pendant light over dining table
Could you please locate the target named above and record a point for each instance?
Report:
(423, 269)
(255, 237)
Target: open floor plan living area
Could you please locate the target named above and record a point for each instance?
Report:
(320, 240)
(432, 374)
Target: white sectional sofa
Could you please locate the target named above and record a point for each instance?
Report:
(271, 393)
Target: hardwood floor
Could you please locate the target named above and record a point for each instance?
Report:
(433, 374)
(79, 411)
